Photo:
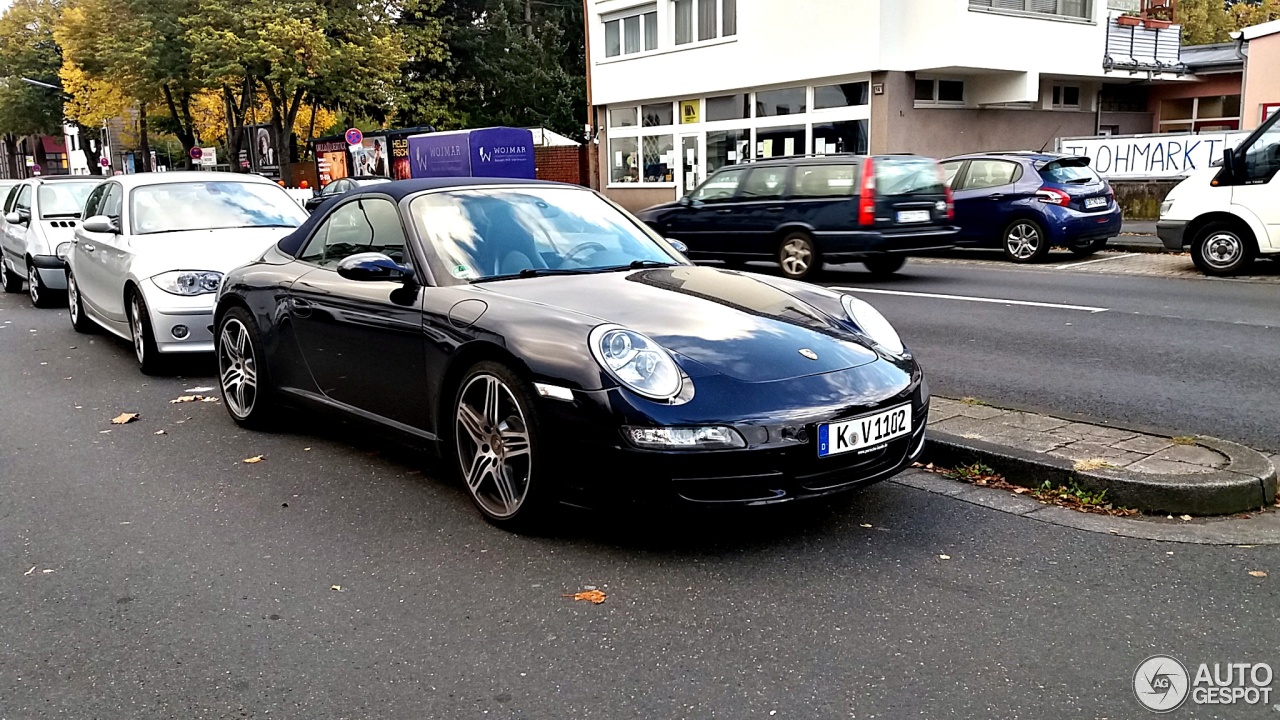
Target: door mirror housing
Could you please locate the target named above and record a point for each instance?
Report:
(17, 217)
(373, 266)
(685, 201)
(101, 224)
(679, 246)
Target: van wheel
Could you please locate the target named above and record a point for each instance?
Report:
(884, 266)
(1222, 249)
(1089, 248)
(1025, 242)
(798, 257)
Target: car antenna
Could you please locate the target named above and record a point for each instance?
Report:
(1051, 137)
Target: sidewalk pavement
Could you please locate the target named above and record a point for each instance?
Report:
(1192, 475)
(1137, 236)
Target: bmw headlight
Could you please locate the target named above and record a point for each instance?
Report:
(636, 361)
(188, 282)
(873, 324)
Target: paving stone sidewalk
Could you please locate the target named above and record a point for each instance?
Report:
(1084, 444)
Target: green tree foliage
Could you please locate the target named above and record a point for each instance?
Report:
(1213, 21)
(28, 50)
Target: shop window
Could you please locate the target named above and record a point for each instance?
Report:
(630, 34)
(727, 147)
(1066, 97)
(624, 160)
(728, 107)
(939, 93)
(789, 101)
(622, 117)
(840, 137)
(720, 187)
(659, 159)
(779, 141)
(844, 95)
(657, 115)
(1215, 112)
(704, 20)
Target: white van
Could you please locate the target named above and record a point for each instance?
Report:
(1229, 215)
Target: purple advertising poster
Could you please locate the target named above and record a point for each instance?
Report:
(439, 155)
(502, 152)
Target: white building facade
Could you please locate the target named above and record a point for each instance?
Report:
(680, 88)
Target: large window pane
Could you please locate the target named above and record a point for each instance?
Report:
(727, 107)
(707, 24)
(779, 141)
(684, 21)
(817, 181)
(789, 101)
(622, 117)
(631, 34)
(840, 137)
(659, 159)
(613, 38)
(727, 147)
(846, 95)
(651, 31)
(730, 8)
(658, 115)
(624, 161)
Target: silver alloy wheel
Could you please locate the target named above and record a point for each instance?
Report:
(797, 255)
(1222, 250)
(33, 284)
(493, 445)
(237, 368)
(1023, 240)
(136, 330)
(73, 300)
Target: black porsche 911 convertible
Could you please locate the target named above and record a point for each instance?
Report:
(557, 350)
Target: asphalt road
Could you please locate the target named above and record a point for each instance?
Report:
(151, 575)
(1168, 355)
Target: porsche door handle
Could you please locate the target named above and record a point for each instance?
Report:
(301, 307)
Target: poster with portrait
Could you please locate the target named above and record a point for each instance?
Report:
(331, 162)
(262, 145)
(400, 169)
(371, 157)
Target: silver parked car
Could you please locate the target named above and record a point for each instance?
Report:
(40, 213)
(153, 248)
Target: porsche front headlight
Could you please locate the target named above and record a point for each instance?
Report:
(873, 324)
(637, 362)
(188, 282)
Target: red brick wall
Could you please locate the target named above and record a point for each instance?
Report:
(562, 164)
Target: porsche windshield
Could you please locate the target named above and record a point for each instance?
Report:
(214, 205)
(490, 233)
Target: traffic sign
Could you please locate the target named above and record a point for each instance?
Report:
(197, 153)
(104, 162)
(354, 136)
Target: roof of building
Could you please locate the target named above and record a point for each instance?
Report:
(1215, 56)
(1257, 31)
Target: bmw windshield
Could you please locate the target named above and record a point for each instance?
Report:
(214, 205)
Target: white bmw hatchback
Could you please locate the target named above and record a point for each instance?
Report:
(148, 258)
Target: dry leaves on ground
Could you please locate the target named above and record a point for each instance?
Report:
(159, 432)
(253, 460)
(594, 597)
(336, 588)
(944, 557)
(124, 418)
(985, 477)
(192, 398)
(1258, 573)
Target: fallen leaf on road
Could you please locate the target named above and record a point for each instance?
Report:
(46, 571)
(592, 596)
(306, 449)
(865, 525)
(185, 399)
(252, 460)
(1258, 573)
(1021, 490)
(197, 390)
(1185, 518)
(124, 418)
(944, 557)
(336, 588)
(208, 399)
(103, 432)
(33, 569)
(159, 432)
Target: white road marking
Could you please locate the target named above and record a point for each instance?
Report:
(1096, 260)
(967, 298)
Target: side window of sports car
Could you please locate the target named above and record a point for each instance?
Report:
(367, 225)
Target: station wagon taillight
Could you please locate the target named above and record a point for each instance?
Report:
(946, 187)
(867, 194)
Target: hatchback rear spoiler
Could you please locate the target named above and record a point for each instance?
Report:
(1063, 162)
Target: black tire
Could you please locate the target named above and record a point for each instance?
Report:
(143, 336)
(799, 257)
(12, 282)
(75, 308)
(884, 266)
(41, 296)
(1222, 249)
(243, 374)
(1089, 248)
(513, 443)
(1024, 241)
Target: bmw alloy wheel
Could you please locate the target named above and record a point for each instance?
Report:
(237, 368)
(137, 331)
(493, 445)
(1023, 241)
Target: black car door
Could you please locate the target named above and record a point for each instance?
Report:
(700, 224)
(362, 339)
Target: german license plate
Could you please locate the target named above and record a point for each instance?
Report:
(1090, 203)
(863, 432)
(914, 216)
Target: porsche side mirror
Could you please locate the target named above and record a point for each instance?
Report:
(685, 201)
(679, 246)
(373, 266)
(100, 224)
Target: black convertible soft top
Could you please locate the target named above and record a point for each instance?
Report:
(292, 243)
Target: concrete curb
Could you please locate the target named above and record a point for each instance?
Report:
(1247, 483)
(1126, 244)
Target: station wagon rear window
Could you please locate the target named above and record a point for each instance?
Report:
(907, 176)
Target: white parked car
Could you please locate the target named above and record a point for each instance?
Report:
(39, 214)
(153, 248)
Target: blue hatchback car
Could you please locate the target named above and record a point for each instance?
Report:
(1028, 202)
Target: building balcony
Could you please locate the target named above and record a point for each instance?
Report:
(1143, 47)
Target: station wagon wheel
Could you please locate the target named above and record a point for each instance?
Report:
(1025, 241)
(1222, 249)
(495, 432)
(242, 372)
(798, 257)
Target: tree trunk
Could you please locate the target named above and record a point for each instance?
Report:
(144, 143)
(180, 112)
(92, 152)
(37, 153)
(11, 155)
